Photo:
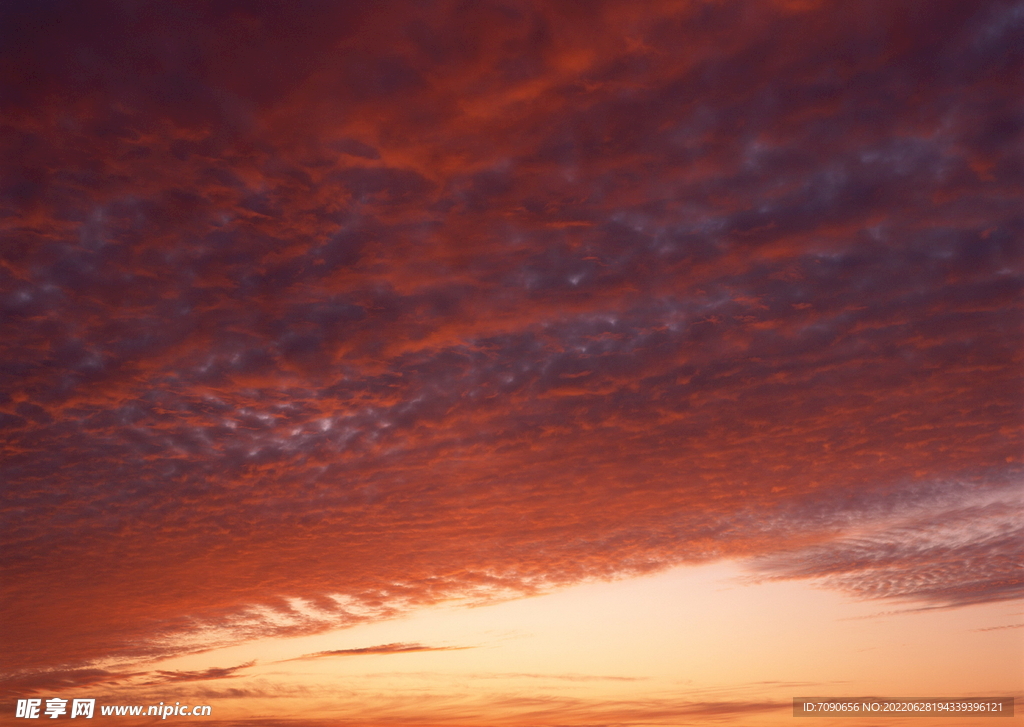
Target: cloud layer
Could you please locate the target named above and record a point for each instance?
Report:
(943, 556)
(397, 648)
(315, 313)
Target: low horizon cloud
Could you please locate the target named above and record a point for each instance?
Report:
(397, 648)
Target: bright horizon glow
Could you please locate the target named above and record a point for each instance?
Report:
(689, 634)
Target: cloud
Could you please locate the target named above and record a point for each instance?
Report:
(941, 556)
(542, 710)
(35, 682)
(398, 648)
(170, 677)
(449, 302)
(47, 681)
(561, 677)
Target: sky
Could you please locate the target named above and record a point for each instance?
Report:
(511, 362)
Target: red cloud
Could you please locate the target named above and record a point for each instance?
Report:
(473, 302)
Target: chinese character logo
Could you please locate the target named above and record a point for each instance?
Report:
(56, 707)
(83, 708)
(28, 708)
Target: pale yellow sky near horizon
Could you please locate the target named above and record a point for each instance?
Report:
(638, 651)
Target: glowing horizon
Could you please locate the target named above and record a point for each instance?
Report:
(694, 643)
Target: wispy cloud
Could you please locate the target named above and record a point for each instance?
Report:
(560, 677)
(42, 681)
(170, 677)
(936, 555)
(549, 710)
(382, 649)
(34, 682)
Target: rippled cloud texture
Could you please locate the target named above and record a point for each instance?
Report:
(313, 312)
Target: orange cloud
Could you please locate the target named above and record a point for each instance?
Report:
(313, 314)
(382, 649)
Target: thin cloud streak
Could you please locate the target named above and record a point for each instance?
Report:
(171, 677)
(525, 710)
(382, 649)
(48, 681)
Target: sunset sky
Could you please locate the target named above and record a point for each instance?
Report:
(518, 363)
